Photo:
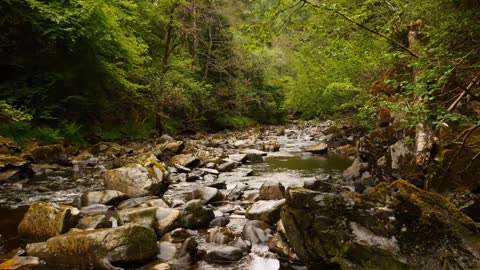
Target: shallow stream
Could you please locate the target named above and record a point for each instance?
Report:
(289, 166)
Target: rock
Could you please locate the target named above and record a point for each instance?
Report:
(205, 194)
(272, 190)
(270, 147)
(220, 235)
(237, 192)
(155, 203)
(54, 153)
(244, 245)
(219, 222)
(277, 244)
(94, 209)
(195, 215)
(171, 148)
(168, 251)
(394, 226)
(44, 220)
(182, 169)
(161, 266)
(267, 211)
(99, 248)
(209, 171)
(21, 262)
(321, 148)
(108, 149)
(322, 184)
(141, 216)
(355, 170)
(194, 176)
(224, 254)
(8, 146)
(218, 185)
(107, 197)
(13, 168)
(167, 220)
(176, 236)
(253, 158)
(94, 222)
(226, 166)
(134, 202)
(185, 160)
(256, 231)
(467, 202)
(137, 180)
(254, 151)
(400, 153)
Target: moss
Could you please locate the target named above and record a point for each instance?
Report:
(11, 161)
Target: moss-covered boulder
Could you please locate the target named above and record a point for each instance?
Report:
(98, 248)
(394, 226)
(108, 149)
(54, 153)
(12, 168)
(8, 146)
(44, 220)
(136, 180)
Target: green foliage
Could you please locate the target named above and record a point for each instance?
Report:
(227, 121)
(9, 113)
(125, 132)
(24, 132)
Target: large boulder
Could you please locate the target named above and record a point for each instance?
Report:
(195, 215)
(393, 226)
(98, 248)
(54, 153)
(44, 220)
(136, 180)
(267, 211)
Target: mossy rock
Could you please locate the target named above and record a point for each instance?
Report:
(8, 146)
(394, 226)
(129, 243)
(7, 162)
(54, 153)
(137, 180)
(44, 220)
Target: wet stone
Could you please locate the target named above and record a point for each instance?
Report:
(225, 254)
(94, 209)
(226, 166)
(195, 215)
(44, 220)
(107, 197)
(267, 211)
(256, 231)
(134, 202)
(272, 190)
(220, 235)
(219, 222)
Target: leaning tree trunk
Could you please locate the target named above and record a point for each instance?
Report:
(424, 136)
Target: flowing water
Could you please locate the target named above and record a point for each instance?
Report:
(289, 166)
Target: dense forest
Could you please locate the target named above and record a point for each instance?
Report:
(127, 127)
(109, 69)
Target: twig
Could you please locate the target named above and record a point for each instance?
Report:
(364, 27)
(455, 103)
(469, 132)
(471, 162)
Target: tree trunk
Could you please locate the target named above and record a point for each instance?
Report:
(424, 136)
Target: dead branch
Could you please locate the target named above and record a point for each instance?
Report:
(467, 135)
(455, 103)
